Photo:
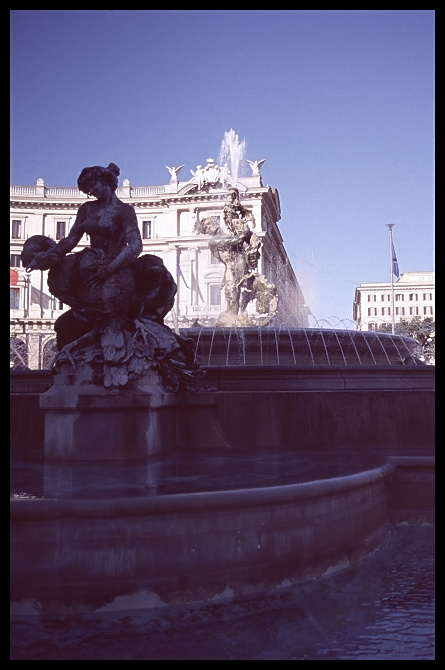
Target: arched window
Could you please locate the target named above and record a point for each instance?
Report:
(49, 353)
(18, 353)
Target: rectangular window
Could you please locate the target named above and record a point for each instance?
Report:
(214, 260)
(214, 294)
(428, 309)
(15, 261)
(413, 296)
(146, 230)
(372, 298)
(383, 297)
(400, 297)
(16, 232)
(372, 326)
(414, 311)
(372, 311)
(60, 230)
(14, 298)
(427, 296)
(56, 304)
(400, 311)
(386, 311)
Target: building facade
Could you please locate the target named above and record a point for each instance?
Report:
(168, 216)
(411, 296)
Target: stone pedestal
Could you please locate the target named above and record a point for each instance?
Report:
(86, 422)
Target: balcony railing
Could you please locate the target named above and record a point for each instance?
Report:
(139, 191)
(69, 192)
(23, 190)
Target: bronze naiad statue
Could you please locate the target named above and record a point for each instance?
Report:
(118, 298)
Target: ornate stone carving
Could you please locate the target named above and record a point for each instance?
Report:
(209, 175)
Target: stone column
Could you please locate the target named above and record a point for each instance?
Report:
(33, 342)
(195, 269)
(192, 282)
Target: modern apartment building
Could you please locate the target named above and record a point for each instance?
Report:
(412, 295)
(167, 216)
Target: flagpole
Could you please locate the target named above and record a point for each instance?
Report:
(178, 268)
(391, 226)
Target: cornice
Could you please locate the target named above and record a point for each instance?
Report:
(31, 324)
(399, 288)
(165, 201)
(44, 205)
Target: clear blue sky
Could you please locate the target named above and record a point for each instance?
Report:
(340, 103)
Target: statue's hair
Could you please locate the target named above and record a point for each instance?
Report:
(107, 175)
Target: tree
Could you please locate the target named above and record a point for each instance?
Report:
(422, 330)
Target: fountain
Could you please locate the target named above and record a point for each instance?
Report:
(156, 489)
(288, 346)
(232, 152)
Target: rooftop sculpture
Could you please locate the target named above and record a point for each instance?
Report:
(209, 175)
(118, 298)
(174, 171)
(256, 167)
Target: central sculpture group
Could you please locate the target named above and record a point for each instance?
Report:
(239, 252)
(119, 298)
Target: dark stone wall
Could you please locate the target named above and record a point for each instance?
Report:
(321, 416)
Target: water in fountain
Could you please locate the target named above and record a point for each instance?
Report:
(283, 345)
(232, 153)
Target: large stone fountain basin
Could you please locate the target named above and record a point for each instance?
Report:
(94, 555)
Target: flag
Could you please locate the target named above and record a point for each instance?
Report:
(195, 282)
(395, 265)
(179, 272)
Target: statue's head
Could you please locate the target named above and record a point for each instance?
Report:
(232, 194)
(90, 175)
